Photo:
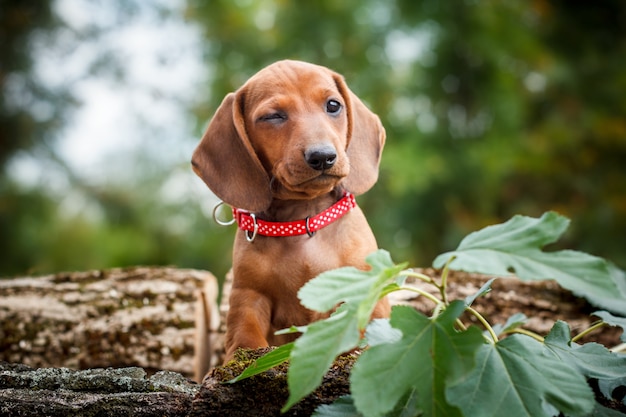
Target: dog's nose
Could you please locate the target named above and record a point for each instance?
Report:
(321, 157)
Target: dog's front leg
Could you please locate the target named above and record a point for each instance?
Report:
(248, 321)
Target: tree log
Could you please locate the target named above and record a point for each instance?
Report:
(127, 317)
(145, 317)
(62, 392)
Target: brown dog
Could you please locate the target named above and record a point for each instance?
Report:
(289, 149)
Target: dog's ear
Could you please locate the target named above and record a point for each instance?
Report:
(226, 161)
(366, 138)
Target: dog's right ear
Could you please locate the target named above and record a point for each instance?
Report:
(227, 163)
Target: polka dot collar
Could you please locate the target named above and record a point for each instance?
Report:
(252, 226)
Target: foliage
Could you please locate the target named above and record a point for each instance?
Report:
(491, 108)
(108, 228)
(516, 377)
(438, 366)
(54, 216)
(380, 366)
(29, 109)
(515, 248)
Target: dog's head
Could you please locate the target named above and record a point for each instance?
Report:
(292, 131)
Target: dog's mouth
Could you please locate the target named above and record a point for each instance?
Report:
(321, 178)
(310, 186)
(299, 180)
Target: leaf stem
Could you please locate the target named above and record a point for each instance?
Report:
(528, 333)
(593, 327)
(422, 277)
(444, 280)
(484, 322)
(460, 324)
(423, 293)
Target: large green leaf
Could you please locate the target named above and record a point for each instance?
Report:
(342, 407)
(602, 411)
(514, 247)
(357, 288)
(315, 351)
(379, 332)
(358, 292)
(608, 388)
(591, 359)
(611, 320)
(516, 377)
(430, 354)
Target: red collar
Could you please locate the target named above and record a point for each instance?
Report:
(248, 222)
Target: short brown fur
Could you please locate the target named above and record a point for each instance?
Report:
(252, 156)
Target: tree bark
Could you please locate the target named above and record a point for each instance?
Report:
(25, 391)
(136, 316)
(143, 319)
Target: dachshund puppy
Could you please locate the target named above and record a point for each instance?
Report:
(288, 151)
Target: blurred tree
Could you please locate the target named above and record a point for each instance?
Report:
(491, 108)
(30, 111)
(575, 142)
(62, 219)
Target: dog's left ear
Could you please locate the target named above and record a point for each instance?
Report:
(366, 138)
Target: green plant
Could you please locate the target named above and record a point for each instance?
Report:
(439, 366)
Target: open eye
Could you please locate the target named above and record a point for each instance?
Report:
(333, 107)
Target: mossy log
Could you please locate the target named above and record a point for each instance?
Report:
(143, 319)
(25, 391)
(265, 394)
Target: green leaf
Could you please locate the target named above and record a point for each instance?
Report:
(379, 332)
(486, 288)
(608, 386)
(265, 362)
(342, 407)
(615, 304)
(407, 407)
(315, 351)
(591, 359)
(513, 322)
(359, 289)
(430, 354)
(291, 330)
(602, 411)
(611, 320)
(514, 247)
(619, 276)
(357, 292)
(517, 378)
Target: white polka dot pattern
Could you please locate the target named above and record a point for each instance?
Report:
(309, 225)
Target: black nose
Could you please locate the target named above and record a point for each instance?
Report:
(321, 157)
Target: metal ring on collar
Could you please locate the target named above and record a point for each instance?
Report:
(308, 230)
(218, 221)
(256, 229)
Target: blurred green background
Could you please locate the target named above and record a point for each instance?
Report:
(492, 108)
